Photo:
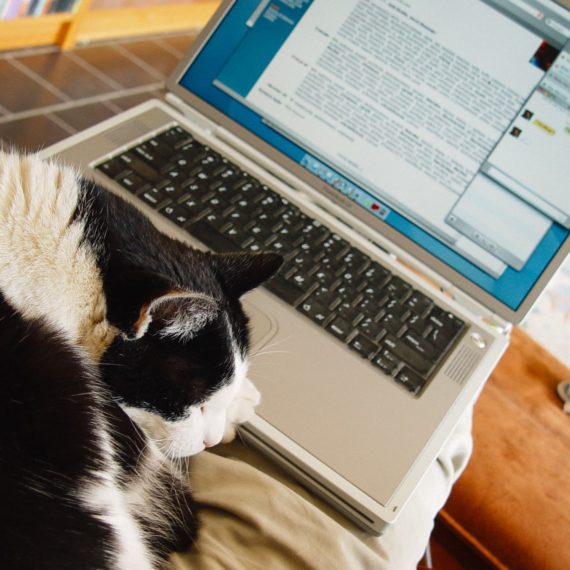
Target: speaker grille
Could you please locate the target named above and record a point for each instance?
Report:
(461, 367)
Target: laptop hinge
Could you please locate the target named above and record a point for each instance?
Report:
(353, 225)
(194, 116)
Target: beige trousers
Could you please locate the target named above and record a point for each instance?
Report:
(254, 516)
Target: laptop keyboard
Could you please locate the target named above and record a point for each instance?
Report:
(335, 285)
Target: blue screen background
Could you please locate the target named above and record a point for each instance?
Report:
(237, 54)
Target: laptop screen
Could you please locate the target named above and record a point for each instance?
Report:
(450, 121)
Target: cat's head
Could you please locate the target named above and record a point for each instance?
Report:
(181, 357)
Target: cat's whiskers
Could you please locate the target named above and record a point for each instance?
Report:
(266, 352)
(269, 346)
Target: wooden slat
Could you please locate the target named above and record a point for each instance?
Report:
(73, 27)
(33, 31)
(86, 25)
(121, 22)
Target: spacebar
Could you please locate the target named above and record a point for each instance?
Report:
(211, 237)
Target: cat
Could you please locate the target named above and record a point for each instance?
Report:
(122, 349)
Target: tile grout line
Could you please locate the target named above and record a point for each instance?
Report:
(138, 61)
(92, 69)
(169, 48)
(112, 106)
(109, 97)
(24, 52)
(61, 123)
(38, 79)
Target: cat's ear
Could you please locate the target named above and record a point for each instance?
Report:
(129, 293)
(242, 272)
(177, 314)
(138, 298)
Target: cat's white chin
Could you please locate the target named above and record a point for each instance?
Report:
(206, 425)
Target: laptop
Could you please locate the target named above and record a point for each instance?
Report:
(410, 161)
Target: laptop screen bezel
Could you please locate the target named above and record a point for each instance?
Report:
(401, 241)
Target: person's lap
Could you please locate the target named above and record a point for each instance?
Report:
(255, 516)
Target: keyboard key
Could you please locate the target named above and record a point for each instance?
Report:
(214, 219)
(162, 150)
(363, 345)
(387, 362)
(147, 152)
(446, 321)
(211, 237)
(426, 349)
(377, 274)
(418, 324)
(314, 310)
(438, 338)
(142, 168)
(334, 246)
(397, 309)
(371, 328)
(446, 328)
(286, 290)
(410, 380)
(408, 354)
(315, 232)
(367, 307)
(234, 233)
(151, 196)
(298, 277)
(391, 323)
(340, 327)
(171, 190)
(355, 261)
(114, 168)
(419, 303)
(133, 183)
(397, 288)
(324, 295)
(175, 137)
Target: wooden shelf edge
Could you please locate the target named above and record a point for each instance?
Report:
(123, 22)
(33, 31)
(89, 25)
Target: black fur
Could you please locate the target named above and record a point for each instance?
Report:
(138, 264)
(52, 398)
(47, 427)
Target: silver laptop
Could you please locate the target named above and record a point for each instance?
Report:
(410, 160)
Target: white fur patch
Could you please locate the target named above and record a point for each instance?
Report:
(103, 495)
(110, 504)
(61, 282)
(206, 424)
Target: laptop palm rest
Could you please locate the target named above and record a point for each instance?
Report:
(335, 405)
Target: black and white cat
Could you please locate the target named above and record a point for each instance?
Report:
(121, 349)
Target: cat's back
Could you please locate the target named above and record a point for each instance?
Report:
(47, 268)
(46, 418)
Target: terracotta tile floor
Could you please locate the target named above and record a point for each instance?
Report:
(48, 94)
